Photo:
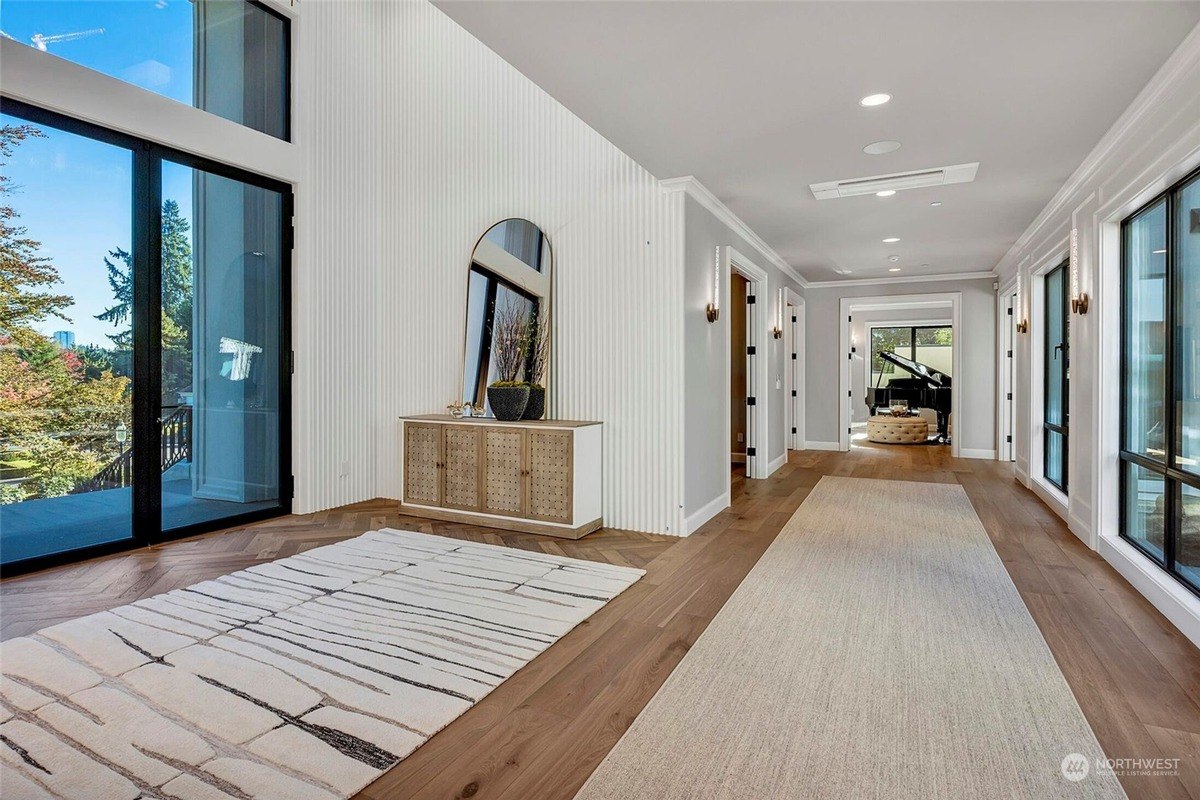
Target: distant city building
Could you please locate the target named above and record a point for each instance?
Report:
(64, 339)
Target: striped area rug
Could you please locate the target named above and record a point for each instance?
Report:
(300, 678)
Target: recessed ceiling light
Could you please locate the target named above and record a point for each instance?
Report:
(924, 265)
(875, 99)
(891, 239)
(1159, 252)
(885, 193)
(879, 148)
(894, 269)
(936, 203)
(893, 259)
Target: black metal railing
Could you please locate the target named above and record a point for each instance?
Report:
(176, 448)
(176, 436)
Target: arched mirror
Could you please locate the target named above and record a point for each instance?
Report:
(507, 338)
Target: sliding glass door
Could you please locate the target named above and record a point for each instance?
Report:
(66, 412)
(145, 348)
(1160, 381)
(1056, 409)
(221, 346)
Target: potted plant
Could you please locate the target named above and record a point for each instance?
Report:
(510, 340)
(536, 352)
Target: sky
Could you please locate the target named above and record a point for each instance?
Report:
(74, 194)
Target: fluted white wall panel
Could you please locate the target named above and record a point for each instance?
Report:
(339, 251)
(419, 138)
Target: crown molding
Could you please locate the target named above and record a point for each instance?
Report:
(950, 276)
(700, 193)
(1182, 62)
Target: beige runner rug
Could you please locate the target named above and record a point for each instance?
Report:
(877, 650)
(300, 679)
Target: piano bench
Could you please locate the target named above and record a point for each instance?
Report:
(897, 430)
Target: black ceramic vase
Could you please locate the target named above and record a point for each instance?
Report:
(508, 402)
(536, 406)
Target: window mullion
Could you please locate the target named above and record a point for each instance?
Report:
(147, 336)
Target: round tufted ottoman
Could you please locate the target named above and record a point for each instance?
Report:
(897, 430)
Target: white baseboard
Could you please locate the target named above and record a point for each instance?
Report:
(1052, 498)
(1022, 475)
(809, 445)
(695, 520)
(1080, 522)
(776, 463)
(989, 455)
(1165, 593)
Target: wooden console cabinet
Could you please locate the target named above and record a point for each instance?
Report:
(540, 476)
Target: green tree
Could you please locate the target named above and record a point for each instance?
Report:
(25, 274)
(176, 300)
(56, 419)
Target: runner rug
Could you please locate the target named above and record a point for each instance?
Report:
(877, 650)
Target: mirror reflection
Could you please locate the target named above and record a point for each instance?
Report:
(509, 276)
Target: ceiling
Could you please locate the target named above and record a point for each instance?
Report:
(760, 99)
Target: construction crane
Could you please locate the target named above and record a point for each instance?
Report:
(41, 41)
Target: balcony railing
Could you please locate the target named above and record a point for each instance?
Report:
(176, 448)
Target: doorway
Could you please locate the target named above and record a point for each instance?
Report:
(793, 370)
(1008, 377)
(747, 348)
(946, 311)
(739, 372)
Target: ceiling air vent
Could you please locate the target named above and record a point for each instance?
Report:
(899, 181)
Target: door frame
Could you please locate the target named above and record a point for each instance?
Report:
(847, 306)
(146, 321)
(794, 361)
(756, 365)
(1055, 498)
(1006, 363)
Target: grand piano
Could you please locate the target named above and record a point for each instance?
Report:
(928, 388)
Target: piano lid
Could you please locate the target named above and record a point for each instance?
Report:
(931, 376)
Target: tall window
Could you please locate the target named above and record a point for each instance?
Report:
(1160, 380)
(144, 346)
(1056, 410)
(929, 345)
(227, 57)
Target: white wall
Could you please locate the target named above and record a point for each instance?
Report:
(1154, 143)
(467, 141)
(976, 432)
(706, 461)
(1156, 139)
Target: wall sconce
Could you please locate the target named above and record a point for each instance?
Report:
(777, 331)
(713, 310)
(1022, 323)
(1079, 300)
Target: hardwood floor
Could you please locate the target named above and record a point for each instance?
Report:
(542, 732)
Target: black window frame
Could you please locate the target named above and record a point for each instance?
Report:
(912, 341)
(1174, 479)
(1063, 365)
(146, 208)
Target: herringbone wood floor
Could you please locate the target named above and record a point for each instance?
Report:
(542, 732)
